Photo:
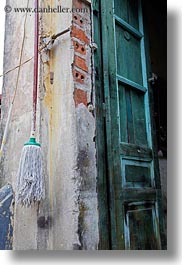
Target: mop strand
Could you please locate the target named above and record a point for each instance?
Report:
(30, 181)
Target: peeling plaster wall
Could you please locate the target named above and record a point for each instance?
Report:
(58, 136)
(85, 126)
(88, 215)
(68, 218)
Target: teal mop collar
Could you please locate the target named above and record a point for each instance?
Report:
(32, 141)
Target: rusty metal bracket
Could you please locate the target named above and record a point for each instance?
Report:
(49, 41)
(55, 36)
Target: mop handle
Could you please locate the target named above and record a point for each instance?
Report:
(35, 81)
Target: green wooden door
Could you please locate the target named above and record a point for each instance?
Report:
(134, 191)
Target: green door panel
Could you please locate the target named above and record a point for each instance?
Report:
(128, 50)
(132, 116)
(128, 12)
(136, 174)
(139, 118)
(141, 226)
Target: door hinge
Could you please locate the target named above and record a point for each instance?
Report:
(93, 46)
(153, 79)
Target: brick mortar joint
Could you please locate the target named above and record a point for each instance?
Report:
(81, 36)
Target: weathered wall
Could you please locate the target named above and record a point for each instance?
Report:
(68, 218)
(85, 126)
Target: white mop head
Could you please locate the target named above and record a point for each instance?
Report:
(30, 180)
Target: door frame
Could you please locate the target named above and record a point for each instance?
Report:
(101, 145)
(106, 166)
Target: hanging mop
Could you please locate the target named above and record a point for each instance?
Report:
(30, 180)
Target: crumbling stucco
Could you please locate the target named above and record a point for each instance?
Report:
(88, 216)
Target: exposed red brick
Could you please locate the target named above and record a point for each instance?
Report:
(80, 63)
(79, 34)
(77, 19)
(79, 77)
(80, 96)
(79, 48)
